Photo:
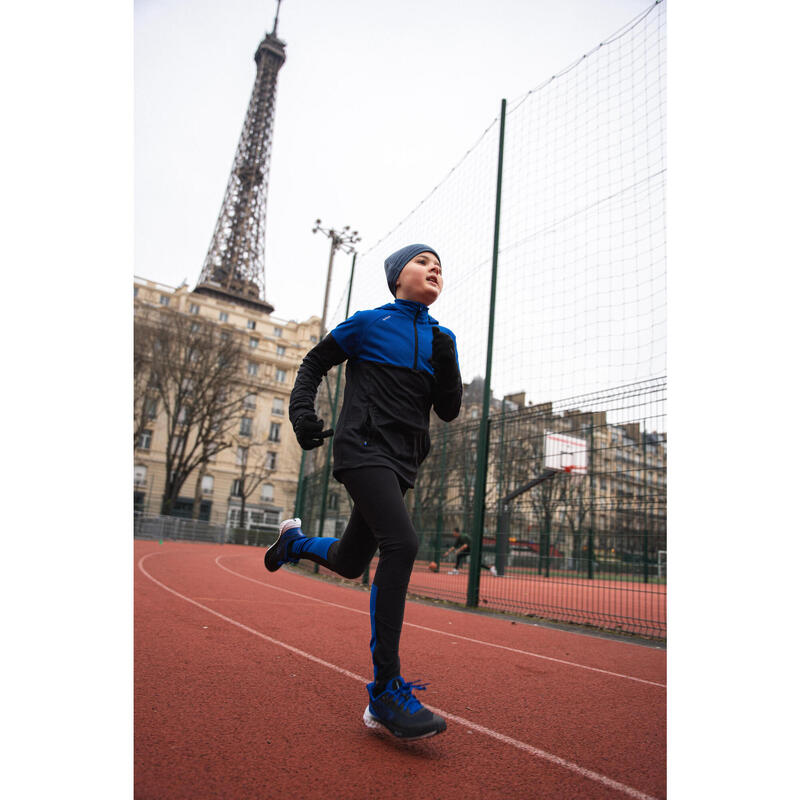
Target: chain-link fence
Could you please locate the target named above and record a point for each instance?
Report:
(177, 529)
(586, 546)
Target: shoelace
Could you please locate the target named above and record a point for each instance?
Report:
(404, 697)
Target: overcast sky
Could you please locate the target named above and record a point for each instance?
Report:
(376, 102)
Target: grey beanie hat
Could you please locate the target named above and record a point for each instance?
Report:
(396, 261)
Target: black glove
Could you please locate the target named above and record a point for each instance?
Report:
(443, 358)
(309, 433)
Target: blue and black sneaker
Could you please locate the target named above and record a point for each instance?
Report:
(397, 710)
(278, 553)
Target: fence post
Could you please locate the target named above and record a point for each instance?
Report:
(440, 514)
(644, 505)
(590, 548)
(298, 497)
(502, 525)
(481, 468)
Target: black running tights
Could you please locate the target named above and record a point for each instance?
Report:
(379, 522)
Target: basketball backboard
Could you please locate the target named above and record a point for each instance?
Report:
(565, 453)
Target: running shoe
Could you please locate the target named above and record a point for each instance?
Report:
(278, 553)
(397, 710)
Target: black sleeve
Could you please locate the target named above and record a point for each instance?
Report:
(315, 365)
(447, 395)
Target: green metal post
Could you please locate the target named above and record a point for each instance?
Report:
(501, 493)
(546, 545)
(481, 468)
(645, 544)
(590, 549)
(299, 495)
(439, 514)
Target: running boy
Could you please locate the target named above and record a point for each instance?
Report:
(399, 364)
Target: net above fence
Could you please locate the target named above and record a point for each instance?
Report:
(577, 340)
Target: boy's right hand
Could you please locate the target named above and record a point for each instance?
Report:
(309, 433)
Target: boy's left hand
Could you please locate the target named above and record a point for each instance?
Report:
(443, 357)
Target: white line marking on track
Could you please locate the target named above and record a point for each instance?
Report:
(500, 737)
(446, 633)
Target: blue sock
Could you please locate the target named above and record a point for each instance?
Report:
(318, 545)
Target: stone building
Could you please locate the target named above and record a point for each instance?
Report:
(274, 350)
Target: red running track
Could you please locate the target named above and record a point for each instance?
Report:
(251, 685)
(624, 606)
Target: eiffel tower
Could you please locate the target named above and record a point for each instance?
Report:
(234, 266)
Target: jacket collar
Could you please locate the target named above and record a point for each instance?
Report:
(410, 308)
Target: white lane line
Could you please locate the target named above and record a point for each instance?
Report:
(500, 737)
(446, 633)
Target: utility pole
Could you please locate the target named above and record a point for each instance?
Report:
(344, 240)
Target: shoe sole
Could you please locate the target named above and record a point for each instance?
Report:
(266, 556)
(371, 721)
(285, 526)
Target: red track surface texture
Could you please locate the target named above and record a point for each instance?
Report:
(251, 685)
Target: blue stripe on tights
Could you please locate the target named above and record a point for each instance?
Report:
(373, 599)
(318, 545)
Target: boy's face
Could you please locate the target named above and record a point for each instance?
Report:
(420, 280)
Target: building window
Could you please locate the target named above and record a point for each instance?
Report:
(277, 332)
(252, 368)
(241, 456)
(280, 375)
(251, 324)
(135, 291)
(224, 336)
(246, 428)
(145, 440)
(253, 342)
(151, 407)
(139, 475)
(207, 484)
(277, 405)
(194, 308)
(333, 501)
(281, 350)
(313, 339)
(236, 488)
(223, 316)
(195, 327)
(272, 460)
(267, 493)
(177, 445)
(274, 431)
(249, 401)
(164, 300)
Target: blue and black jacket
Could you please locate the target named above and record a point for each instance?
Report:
(390, 387)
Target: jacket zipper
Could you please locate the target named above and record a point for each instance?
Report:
(416, 341)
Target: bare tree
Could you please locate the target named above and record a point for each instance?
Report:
(196, 375)
(577, 504)
(144, 400)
